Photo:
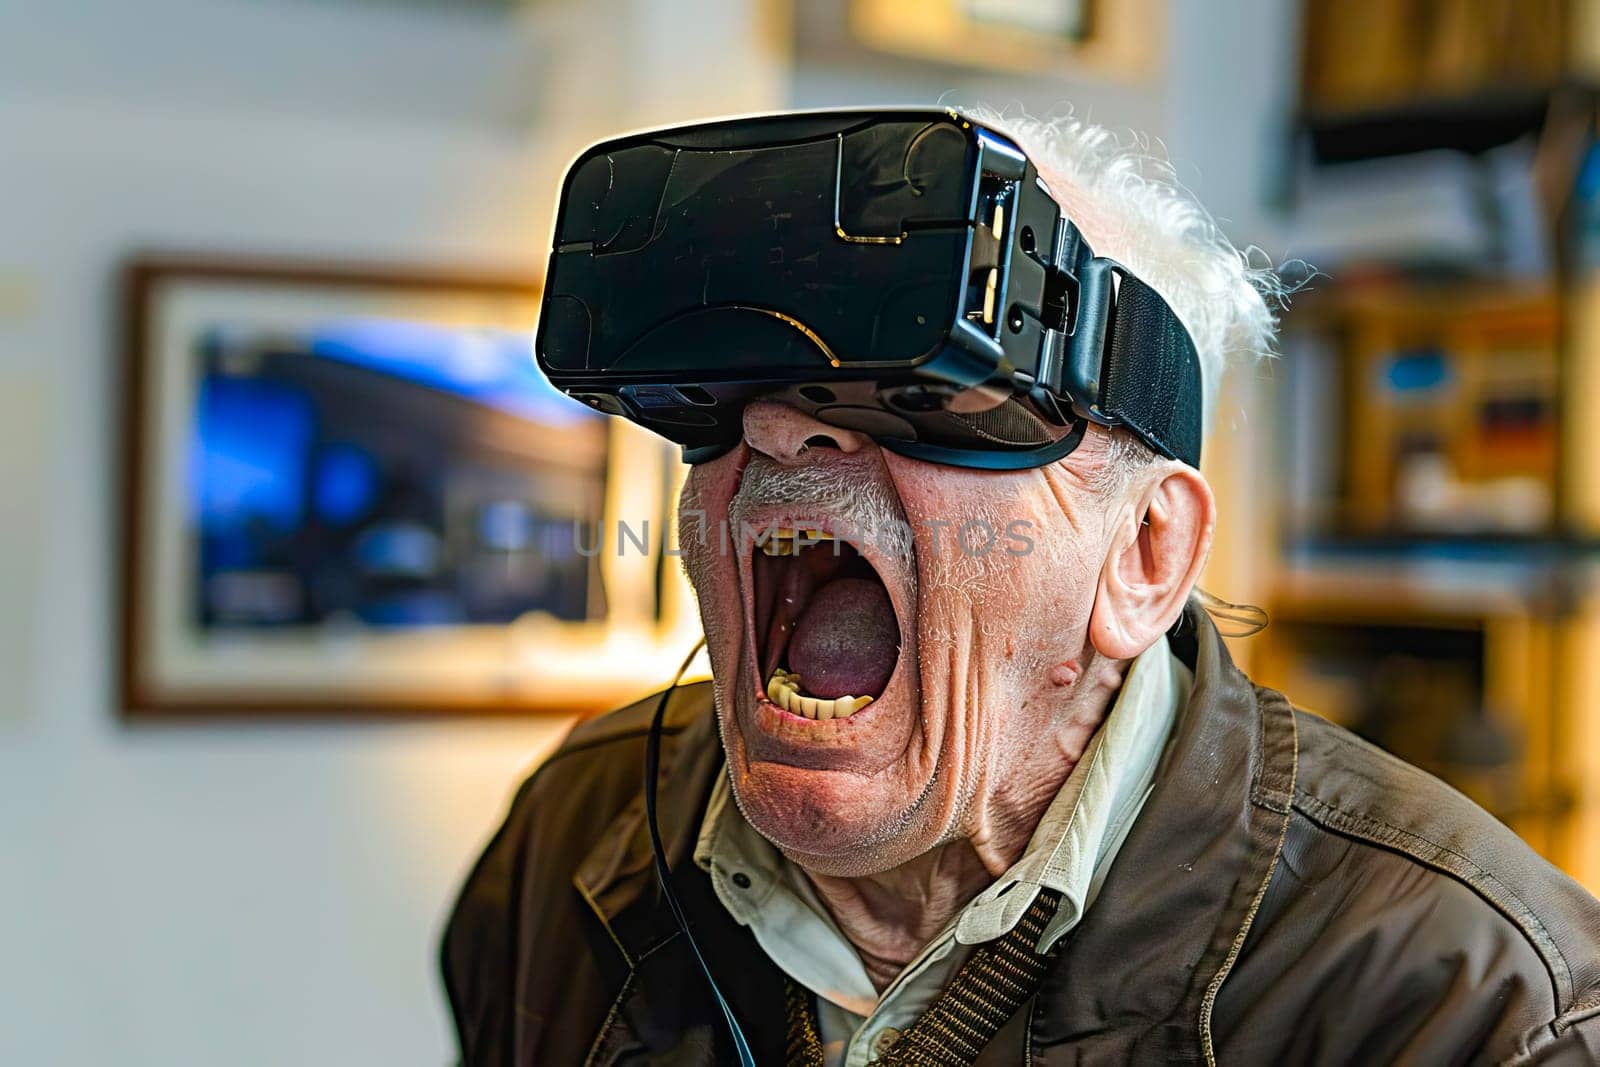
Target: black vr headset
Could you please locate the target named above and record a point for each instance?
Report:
(900, 273)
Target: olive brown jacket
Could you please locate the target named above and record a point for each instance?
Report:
(1288, 895)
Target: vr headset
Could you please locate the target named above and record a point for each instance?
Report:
(902, 273)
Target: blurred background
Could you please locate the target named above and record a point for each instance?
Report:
(294, 586)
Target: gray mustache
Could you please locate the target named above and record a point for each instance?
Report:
(849, 495)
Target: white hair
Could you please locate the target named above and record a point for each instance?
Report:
(1129, 205)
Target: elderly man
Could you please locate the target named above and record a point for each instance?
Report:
(976, 781)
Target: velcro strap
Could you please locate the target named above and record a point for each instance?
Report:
(1151, 381)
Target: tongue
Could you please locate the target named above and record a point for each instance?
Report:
(846, 642)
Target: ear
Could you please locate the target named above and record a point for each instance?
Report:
(1159, 545)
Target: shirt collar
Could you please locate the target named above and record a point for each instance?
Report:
(764, 891)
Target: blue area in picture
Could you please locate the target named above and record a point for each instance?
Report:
(382, 472)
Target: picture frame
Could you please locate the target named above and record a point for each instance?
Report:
(348, 490)
(1116, 43)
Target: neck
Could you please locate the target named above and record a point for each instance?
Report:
(890, 916)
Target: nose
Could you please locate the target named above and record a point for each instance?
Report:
(785, 434)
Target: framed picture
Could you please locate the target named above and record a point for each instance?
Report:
(1051, 18)
(352, 490)
(1113, 42)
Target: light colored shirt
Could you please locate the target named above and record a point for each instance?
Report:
(1070, 852)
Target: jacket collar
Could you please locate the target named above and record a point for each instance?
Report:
(1169, 920)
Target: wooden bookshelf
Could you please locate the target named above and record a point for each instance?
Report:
(1364, 55)
(1489, 632)
(1464, 377)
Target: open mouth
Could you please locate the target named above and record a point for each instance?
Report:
(827, 639)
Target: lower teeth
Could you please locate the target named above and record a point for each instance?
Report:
(783, 689)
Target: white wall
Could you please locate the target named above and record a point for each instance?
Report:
(272, 893)
(1232, 75)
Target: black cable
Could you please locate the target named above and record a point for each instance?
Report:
(652, 766)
